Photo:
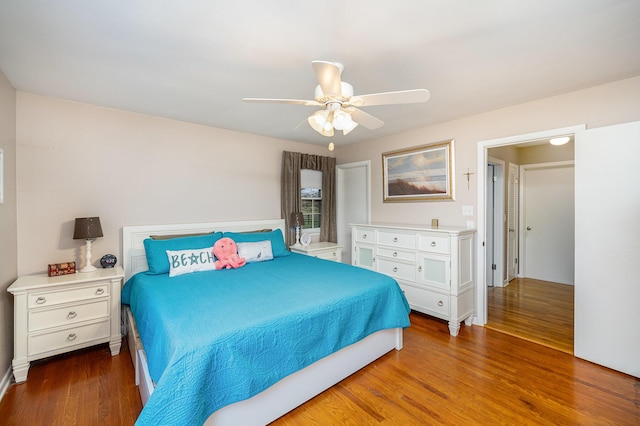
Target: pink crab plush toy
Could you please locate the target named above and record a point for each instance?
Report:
(226, 252)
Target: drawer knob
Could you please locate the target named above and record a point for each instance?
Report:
(440, 303)
(71, 337)
(72, 314)
(395, 269)
(100, 291)
(395, 239)
(395, 254)
(364, 236)
(40, 300)
(433, 243)
(419, 268)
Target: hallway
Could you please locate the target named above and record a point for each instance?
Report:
(534, 310)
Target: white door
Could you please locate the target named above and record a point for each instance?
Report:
(496, 219)
(490, 250)
(512, 222)
(607, 224)
(353, 203)
(548, 218)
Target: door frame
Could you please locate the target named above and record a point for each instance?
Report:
(482, 157)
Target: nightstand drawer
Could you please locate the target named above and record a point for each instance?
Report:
(68, 337)
(335, 255)
(43, 319)
(49, 298)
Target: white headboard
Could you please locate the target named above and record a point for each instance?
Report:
(134, 258)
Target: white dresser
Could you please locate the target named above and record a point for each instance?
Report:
(53, 315)
(434, 266)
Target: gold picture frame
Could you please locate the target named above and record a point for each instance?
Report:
(422, 173)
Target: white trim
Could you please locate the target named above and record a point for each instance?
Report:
(483, 146)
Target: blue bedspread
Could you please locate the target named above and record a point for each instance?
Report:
(218, 337)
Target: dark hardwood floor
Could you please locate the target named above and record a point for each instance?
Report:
(535, 310)
(481, 377)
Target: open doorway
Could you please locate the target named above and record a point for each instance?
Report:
(533, 309)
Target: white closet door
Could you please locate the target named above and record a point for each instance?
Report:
(607, 288)
(353, 193)
(548, 192)
(512, 222)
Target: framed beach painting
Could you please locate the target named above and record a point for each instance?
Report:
(422, 173)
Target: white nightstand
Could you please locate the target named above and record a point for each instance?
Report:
(53, 315)
(323, 250)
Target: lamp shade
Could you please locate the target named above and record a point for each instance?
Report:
(87, 228)
(297, 219)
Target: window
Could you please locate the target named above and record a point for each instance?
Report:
(311, 197)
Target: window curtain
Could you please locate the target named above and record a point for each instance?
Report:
(292, 163)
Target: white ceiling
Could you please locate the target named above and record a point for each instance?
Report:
(194, 60)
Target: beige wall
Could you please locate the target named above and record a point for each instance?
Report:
(614, 103)
(76, 160)
(8, 236)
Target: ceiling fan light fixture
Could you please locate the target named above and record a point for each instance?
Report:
(342, 121)
(318, 119)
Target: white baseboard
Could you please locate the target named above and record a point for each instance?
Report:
(5, 382)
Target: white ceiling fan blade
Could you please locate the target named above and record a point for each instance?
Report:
(367, 120)
(328, 74)
(283, 101)
(389, 98)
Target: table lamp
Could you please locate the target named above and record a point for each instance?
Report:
(297, 221)
(88, 229)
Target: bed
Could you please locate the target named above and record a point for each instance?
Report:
(247, 345)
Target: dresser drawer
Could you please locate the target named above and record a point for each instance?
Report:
(42, 319)
(408, 256)
(426, 301)
(398, 270)
(39, 343)
(364, 235)
(434, 243)
(397, 239)
(40, 299)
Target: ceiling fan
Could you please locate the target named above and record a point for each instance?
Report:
(340, 106)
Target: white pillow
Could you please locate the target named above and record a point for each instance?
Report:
(258, 251)
(192, 260)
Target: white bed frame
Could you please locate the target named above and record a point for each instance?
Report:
(286, 394)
